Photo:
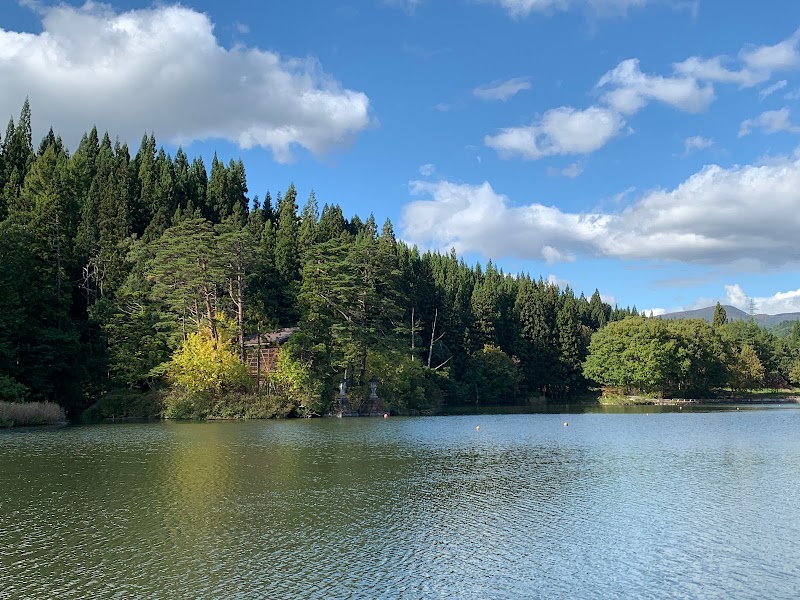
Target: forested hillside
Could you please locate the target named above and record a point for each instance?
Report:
(150, 270)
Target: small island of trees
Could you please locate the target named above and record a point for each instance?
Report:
(131, 284)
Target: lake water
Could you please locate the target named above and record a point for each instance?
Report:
(666, 505)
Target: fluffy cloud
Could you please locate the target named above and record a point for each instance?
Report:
(780, 302)
(502, 90)
(632, 90)
(771, 121)
(756, 64)
(557, 281)
(714, 69)
(696, 142)
(563, 130)
(778, 57)
(745, 216)
(626, 90)
(735, 296)
(162, 69)
(476, 218)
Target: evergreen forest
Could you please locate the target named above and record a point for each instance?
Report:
(148, 274)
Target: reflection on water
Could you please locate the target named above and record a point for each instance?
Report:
(615, 505)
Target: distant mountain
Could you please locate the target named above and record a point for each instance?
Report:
(734, 314)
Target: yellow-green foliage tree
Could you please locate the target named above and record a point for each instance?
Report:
(794, 373)
(292, 382)
(746, 370)
(203, 365)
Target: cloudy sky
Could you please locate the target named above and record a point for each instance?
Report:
(647, 148)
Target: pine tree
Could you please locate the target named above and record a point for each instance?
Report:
(309, 223)
(720, 316)
(287, 260)
(571, 348)
(237, 191)
(39, 347)
(197, 193)
(18, 157)
(187, 275)
(331, 223)
(144, 167)
(597, 311)
(217, 194)
(163, 203)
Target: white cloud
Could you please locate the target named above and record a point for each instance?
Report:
(626, 90)
(557, 281)
(778, 57)
(621, 196)
(696, 142)
(609, 299)
(522, 8)
(476, 218)
(771, 121)
(714, 69)
(757, 64)
(427, 169)
(745, 216)
(563, 130)
(554, 255)
(768, 91)
(571, 171)
(780, 302)
(632, 90)
(735, 296)
(163, 70)
(502, 90)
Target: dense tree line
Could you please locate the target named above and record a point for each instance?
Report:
(149, 271)
(115, 266)
(691, 358)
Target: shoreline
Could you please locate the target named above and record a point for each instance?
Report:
(738, 400)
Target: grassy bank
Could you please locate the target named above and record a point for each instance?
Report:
(726, 397)
(22, 414)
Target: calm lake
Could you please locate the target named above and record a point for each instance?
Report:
(663, 505)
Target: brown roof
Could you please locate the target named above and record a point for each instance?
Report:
(272, 338)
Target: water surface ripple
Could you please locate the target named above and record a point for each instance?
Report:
(697, 505)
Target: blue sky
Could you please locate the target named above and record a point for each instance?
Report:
(647, 148)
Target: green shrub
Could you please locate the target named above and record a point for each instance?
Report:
(126, 404)
(183, 404)
(252, 406)
(11, 390)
